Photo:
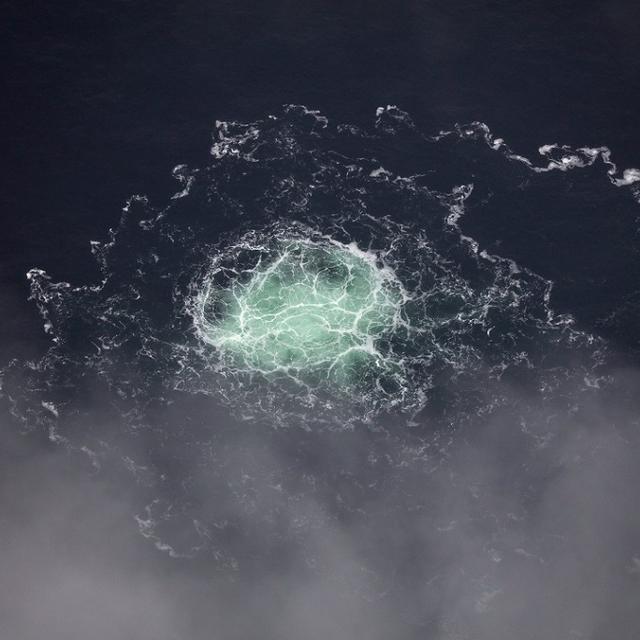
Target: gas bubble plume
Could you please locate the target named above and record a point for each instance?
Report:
(293, 318)
(311, 311)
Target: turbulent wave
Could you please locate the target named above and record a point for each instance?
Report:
(312, 280)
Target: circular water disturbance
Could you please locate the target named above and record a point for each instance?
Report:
(312, 310)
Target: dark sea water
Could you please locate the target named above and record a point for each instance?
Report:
(460, 463)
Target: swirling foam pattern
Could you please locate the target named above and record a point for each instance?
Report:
(311, 276)
(294, 318)
(308, 310)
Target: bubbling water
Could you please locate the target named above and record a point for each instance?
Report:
(315, 311)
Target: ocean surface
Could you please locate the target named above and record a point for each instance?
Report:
(321, 321)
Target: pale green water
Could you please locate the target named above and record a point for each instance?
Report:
(315, 310)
